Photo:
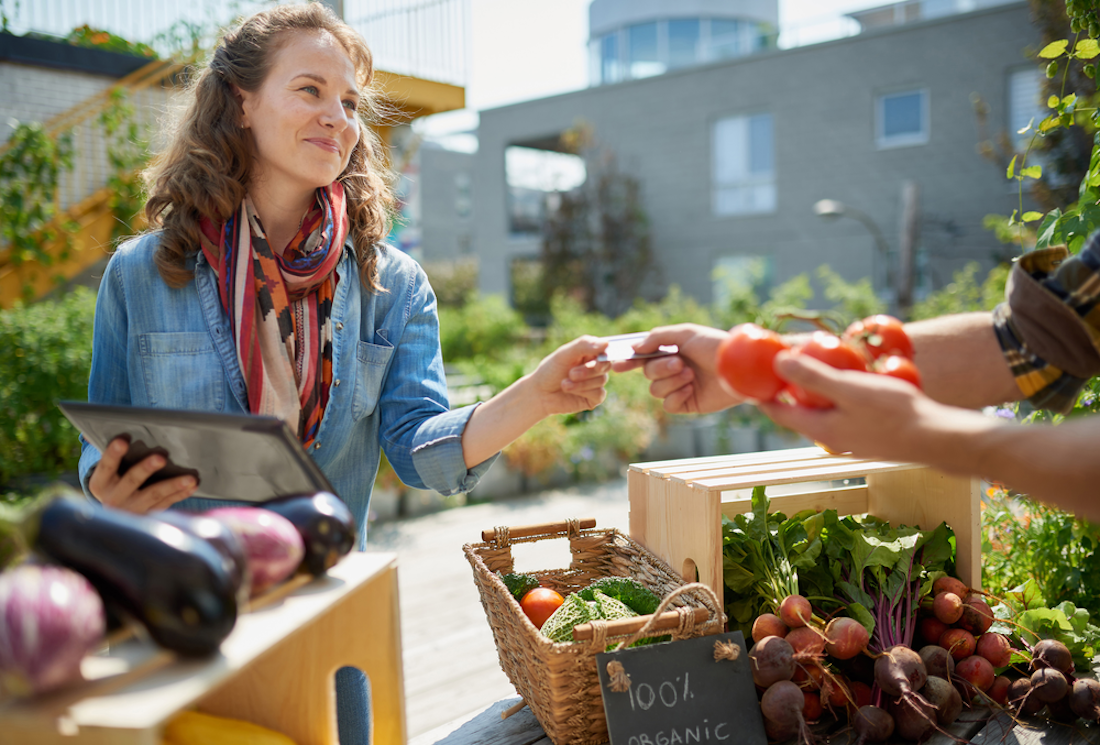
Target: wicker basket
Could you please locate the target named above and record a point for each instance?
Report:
(559, 681)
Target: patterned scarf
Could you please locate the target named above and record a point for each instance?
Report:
(280, 307)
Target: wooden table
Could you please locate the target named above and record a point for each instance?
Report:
(485, 727)
(276, 669)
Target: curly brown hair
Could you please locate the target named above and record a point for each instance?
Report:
(205, 169)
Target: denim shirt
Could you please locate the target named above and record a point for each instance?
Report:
(162, 347)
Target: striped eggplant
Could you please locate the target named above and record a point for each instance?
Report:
(50, 618)
(271, 543)
(325, 523)
(173, 582)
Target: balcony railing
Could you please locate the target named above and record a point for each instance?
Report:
(417, 38)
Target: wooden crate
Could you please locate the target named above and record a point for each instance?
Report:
(276, 669)
(676, 506)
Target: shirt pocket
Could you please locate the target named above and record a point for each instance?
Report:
(370, 374)
(182, 370)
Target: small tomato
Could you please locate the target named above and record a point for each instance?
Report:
(899, 367)
(833, 351)
(539, 604)
(880, 335)
(744, 362)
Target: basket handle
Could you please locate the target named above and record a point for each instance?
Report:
(648, 623)
(585, 631)
(526, 531)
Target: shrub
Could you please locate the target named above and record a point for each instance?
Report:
(45, 356)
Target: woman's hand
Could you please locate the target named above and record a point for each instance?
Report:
(570, 379)
(123, 492)
(687, 381)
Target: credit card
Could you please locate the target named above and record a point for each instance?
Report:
(621, 347)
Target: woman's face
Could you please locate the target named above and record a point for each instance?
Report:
(303, 117)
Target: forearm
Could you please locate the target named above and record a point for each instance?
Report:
(961, 362)
(1054, 464)
(499, 421)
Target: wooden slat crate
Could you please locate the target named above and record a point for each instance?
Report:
(676, 506)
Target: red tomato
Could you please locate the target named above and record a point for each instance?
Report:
(745, 359)
(880, 335)
(833, 351)
(539, 604)
(899, 367)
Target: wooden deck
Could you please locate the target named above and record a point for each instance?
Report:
(450, 660)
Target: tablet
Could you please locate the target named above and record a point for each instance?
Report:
(233, 456)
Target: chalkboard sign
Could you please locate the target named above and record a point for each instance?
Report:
(680, 694)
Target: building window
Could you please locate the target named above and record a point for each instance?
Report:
(1025, 104)
(643, 51)
(744, 165)
(535, 179)
(684, 39)
(901, 119)
(611, 70)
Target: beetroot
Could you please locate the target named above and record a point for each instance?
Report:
(931, 629)
(912, 721)
(977, 616)
(812, 709)
(1084, 699)
(1051, 653)
(1047, 684)
(937, 661)
(977, 671)
(1020, 698)
(50, 618)
(900, 672)
(873, 724)
(784, 703)
(944, 699)
(271, 542)
(795, 611)
(845, 638)
(948, 607)
(998, 692)
(950, 584)
(806, 642)
(768, 624)
(995, 648)
(772, 661)
(959, 642)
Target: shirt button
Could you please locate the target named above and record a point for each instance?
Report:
(339, 326)
(336, 382)
(316, 446)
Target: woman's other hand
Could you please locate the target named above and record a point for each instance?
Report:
(124, 492)
(687, 382)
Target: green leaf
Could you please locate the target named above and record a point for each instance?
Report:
(1032, 216)
(1054, 49)
(1051, 122)
(1032, 172)
(1086, 49)
(1052, 102)
(1011, 173)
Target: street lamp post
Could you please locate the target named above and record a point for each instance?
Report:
(832, 209)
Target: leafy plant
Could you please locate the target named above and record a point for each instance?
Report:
(86, 36)
(31, 165)
(45, 356)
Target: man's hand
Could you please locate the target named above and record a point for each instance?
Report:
(687, 382)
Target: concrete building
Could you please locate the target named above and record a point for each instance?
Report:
(734, 154)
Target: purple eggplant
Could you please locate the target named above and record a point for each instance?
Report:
(173, 582)
(273, 546)
(221, 537)
(50, 618)
(327, 527)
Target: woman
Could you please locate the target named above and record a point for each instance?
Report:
(267, 289)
